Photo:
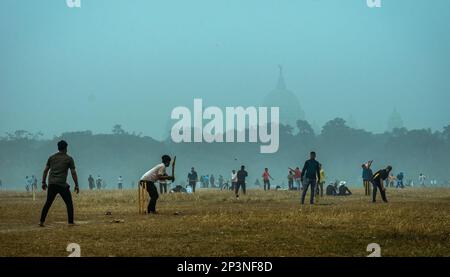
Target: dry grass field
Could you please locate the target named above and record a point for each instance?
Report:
(416, 222)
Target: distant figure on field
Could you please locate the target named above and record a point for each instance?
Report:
(257, 183)
(391, 180)
(241, 175)
(34, 183)
(212, 181)
(233, 179)
(321, 181)
(310, 173)
(91, 182)
(290, 178)
(422, 179)
(378, 180)
(192, 179)
(331, 189)
(225, 185)
(99, 182)
(343, 189)
(157, 173)
(28, 183)
(367, 175)
(221, 180)
(120, 182)
(266, 178)
(298, 177)
(400, 177)
(206, 181)
(57, 168)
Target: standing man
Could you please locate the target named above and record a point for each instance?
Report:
(367, 175)
(99, 182)
(34, 183)
(422, 179)
(29, 183)
(290, 180)
(58, 166)
(266, 178)
(233, 179)
(321, 181)
(91, 182)
(192, 179)
(120, 182)
(212, 181)
(241, 175)
(221, 180)
(157, 173)
(400, 177)
(311, 170)
(378, 180)
(297, 176)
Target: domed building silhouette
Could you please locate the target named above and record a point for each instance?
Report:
(287, 101)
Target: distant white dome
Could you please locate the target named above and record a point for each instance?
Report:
(287, 101)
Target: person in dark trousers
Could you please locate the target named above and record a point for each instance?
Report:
(241, 175)
(157, 173)
(331, 189)
(192, 179)
(311, 170)
(266, 178)
(99, 182)
(290, 180)
(212, 181)
(367, 176)
(343, 190)
(400, 177)
(91, 182)
(378, 183)
(56, 169)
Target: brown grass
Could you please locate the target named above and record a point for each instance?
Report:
(213, 223)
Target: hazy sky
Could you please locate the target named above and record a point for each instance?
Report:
(132, 62)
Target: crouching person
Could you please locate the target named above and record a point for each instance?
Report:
(157, 173)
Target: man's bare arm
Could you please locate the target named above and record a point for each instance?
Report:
(75, 180)
(74, 176)
(44, 177)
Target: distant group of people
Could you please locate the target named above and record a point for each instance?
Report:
(31, 183)
(312, 178)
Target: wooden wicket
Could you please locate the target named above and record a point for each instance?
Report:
(142, 197)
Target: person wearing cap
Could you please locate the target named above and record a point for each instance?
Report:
(56, 169)
(157, 173)
(377, 182)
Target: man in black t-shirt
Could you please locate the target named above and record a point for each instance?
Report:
(310, 174)
(241, 175)
(378, 180)
(58, 165)
(192, 179)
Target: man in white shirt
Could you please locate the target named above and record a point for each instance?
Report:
(157, 173)
(422, 179)
(233, 179)
(120, 182)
